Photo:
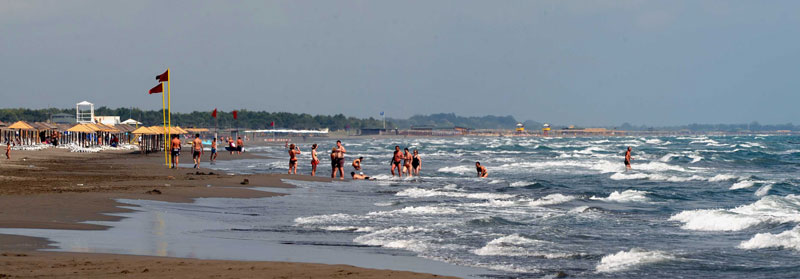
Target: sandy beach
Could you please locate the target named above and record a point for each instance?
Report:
(56, 189)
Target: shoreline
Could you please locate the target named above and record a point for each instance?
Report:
(56, 189)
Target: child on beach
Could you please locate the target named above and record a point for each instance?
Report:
(314, 159)
(357, 163)
(213, 157)
(8, 150)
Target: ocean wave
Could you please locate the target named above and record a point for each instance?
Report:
(625, 196)
(396, 238)
(521, 183)
(424, 193)
(322, 219)
(655, 177)
(457, 169)
(723, 177)
(763, 191)
(769, 209)
(788, 240)
(551, 200)
(515, 245)
(417, 210)
(743, 184)
(636, 257)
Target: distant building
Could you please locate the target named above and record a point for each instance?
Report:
(62, 118)
(107, 120)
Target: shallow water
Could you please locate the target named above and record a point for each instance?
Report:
(717, 207)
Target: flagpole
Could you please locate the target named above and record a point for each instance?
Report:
(169, 104)
(164, 124)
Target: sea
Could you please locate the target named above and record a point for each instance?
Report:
(690, 207)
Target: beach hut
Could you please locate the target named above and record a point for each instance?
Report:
(24, 133)
(83, 134)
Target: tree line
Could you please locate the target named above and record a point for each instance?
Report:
(246, 119)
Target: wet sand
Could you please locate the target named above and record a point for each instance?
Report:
(56, 189)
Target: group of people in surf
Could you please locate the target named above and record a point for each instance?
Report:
(404, 162)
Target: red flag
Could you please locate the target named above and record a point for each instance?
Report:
(272, 123)
(158, 89)
(163, 77)
(214, 114)
(235, 114)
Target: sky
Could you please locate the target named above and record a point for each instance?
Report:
(568, 62)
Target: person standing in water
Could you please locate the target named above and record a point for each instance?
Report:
(334, 163)
(176, 151)
(213, 157)
(398, 156)
(628, 159)
(407, 162)
(197, 150)
(293, 151)
(314, 159)
(340, 150)
(416, 164)
(239, 145)
(482, 172)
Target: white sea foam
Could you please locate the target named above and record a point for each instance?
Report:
(520, 183)
(743, 184)
(422, 193)
(764, 190)
(788, 240)
(321, 219)
(516, 245)
(395, 237)
(348, 229)
(723, 177)
(625, 196)
(655, 177)
(496, 181)
(417, 210)
(636, 257)
(769, 209)
(551, 200)
(458, 169)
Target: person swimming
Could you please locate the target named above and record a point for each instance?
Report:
(482, 172)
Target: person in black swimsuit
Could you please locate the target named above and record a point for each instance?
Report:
(396, 160)
(628, 158)
(416, 164)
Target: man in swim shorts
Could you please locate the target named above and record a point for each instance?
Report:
(396, 159)
(628, 159)
(340, 157)
(176, 150)
(197, 150)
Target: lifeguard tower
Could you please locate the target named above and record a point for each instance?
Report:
(84, 112)
(546, 129)
(520, 128)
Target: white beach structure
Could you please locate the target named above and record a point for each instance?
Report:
(84, 112)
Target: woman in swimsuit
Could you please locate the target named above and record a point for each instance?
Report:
(293, 151)
(334, 162)
(407, 161)
(482, 172)
(314, 159)
(416, 164)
